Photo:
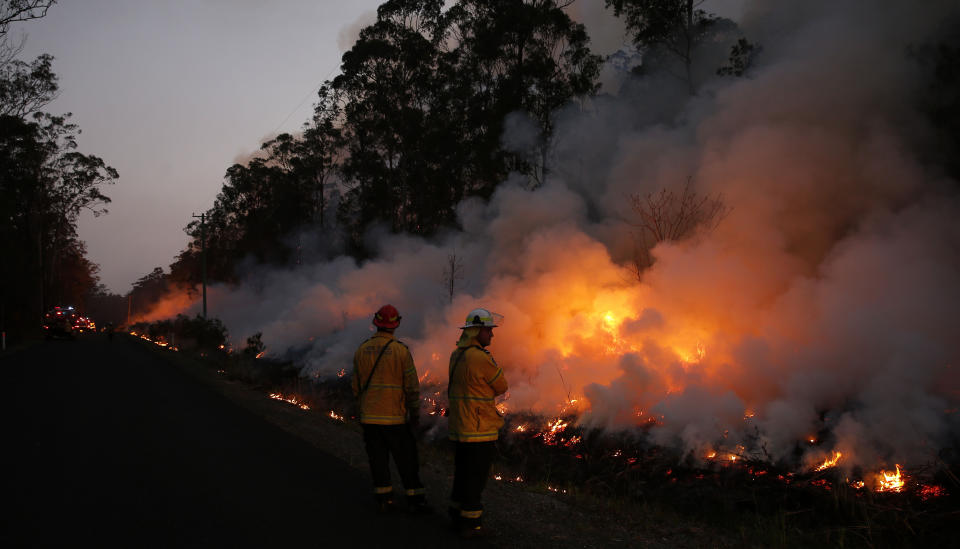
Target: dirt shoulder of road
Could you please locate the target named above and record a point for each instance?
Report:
(517, 515)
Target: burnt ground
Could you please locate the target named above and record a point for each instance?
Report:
(120, 443)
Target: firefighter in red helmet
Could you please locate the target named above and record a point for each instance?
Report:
(388, 393)
(475, 380)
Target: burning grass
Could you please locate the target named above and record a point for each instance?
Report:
(735, 489)
(732, 489)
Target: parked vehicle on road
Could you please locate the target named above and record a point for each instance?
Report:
(84, 324)
(60, 322)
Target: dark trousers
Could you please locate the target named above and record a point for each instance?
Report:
(382, 441)
(472, 467)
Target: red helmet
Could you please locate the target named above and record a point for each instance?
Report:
(387, 317)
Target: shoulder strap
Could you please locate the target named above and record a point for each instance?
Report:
(374, 369)
(456, 362)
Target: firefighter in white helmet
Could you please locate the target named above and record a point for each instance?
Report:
(475, 380)
(386, 386)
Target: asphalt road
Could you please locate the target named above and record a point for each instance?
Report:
(107, 444)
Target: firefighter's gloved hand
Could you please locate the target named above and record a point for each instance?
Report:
(413, 419)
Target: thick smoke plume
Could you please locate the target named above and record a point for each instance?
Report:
(823, 304)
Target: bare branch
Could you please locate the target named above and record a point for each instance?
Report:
(15, 11)
(452, 275)
(668, 216)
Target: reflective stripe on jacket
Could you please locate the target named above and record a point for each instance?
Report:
(394, 388)
(475, 379)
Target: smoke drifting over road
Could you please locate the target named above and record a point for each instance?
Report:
(823, 304)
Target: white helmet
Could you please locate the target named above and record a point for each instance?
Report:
(480, 318)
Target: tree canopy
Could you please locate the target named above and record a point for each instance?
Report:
(412, 125)
(45, 183)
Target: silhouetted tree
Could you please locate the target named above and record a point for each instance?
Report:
(670, 33)
(412, 125)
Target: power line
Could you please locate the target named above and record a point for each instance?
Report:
(302, 101)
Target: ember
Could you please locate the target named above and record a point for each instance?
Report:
(822, 483)
(160, 342)
(928, 492)
(291, 399)
(554, 428)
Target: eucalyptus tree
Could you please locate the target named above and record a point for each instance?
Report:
(46, 183)
(425, 93)
(411, 126)
(25, 88)
(677, 37)
(523, 56)
(18, 11)
(319, 153)
(388, 95)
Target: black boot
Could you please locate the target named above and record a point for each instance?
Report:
(384, 503)
(471, 528)
(418, 505)
(454, 514)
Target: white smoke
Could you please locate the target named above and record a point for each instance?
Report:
(348, 35)
(823, 302)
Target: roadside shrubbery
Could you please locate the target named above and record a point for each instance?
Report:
(204, 335)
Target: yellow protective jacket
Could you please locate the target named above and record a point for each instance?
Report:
(393, 389)
(475, 379)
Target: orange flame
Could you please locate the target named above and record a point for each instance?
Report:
(890, 481)
(830, 462)
(554, 428)
(290, 399)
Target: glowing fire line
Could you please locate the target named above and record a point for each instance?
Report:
(830, 462)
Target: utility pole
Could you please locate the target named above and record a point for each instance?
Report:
(203, 258)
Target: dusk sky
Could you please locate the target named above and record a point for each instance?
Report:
(172, 93)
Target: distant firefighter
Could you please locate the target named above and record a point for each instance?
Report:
(388, 393)
(475, 380)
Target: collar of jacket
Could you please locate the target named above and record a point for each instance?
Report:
(469, 342)
(380, 333)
